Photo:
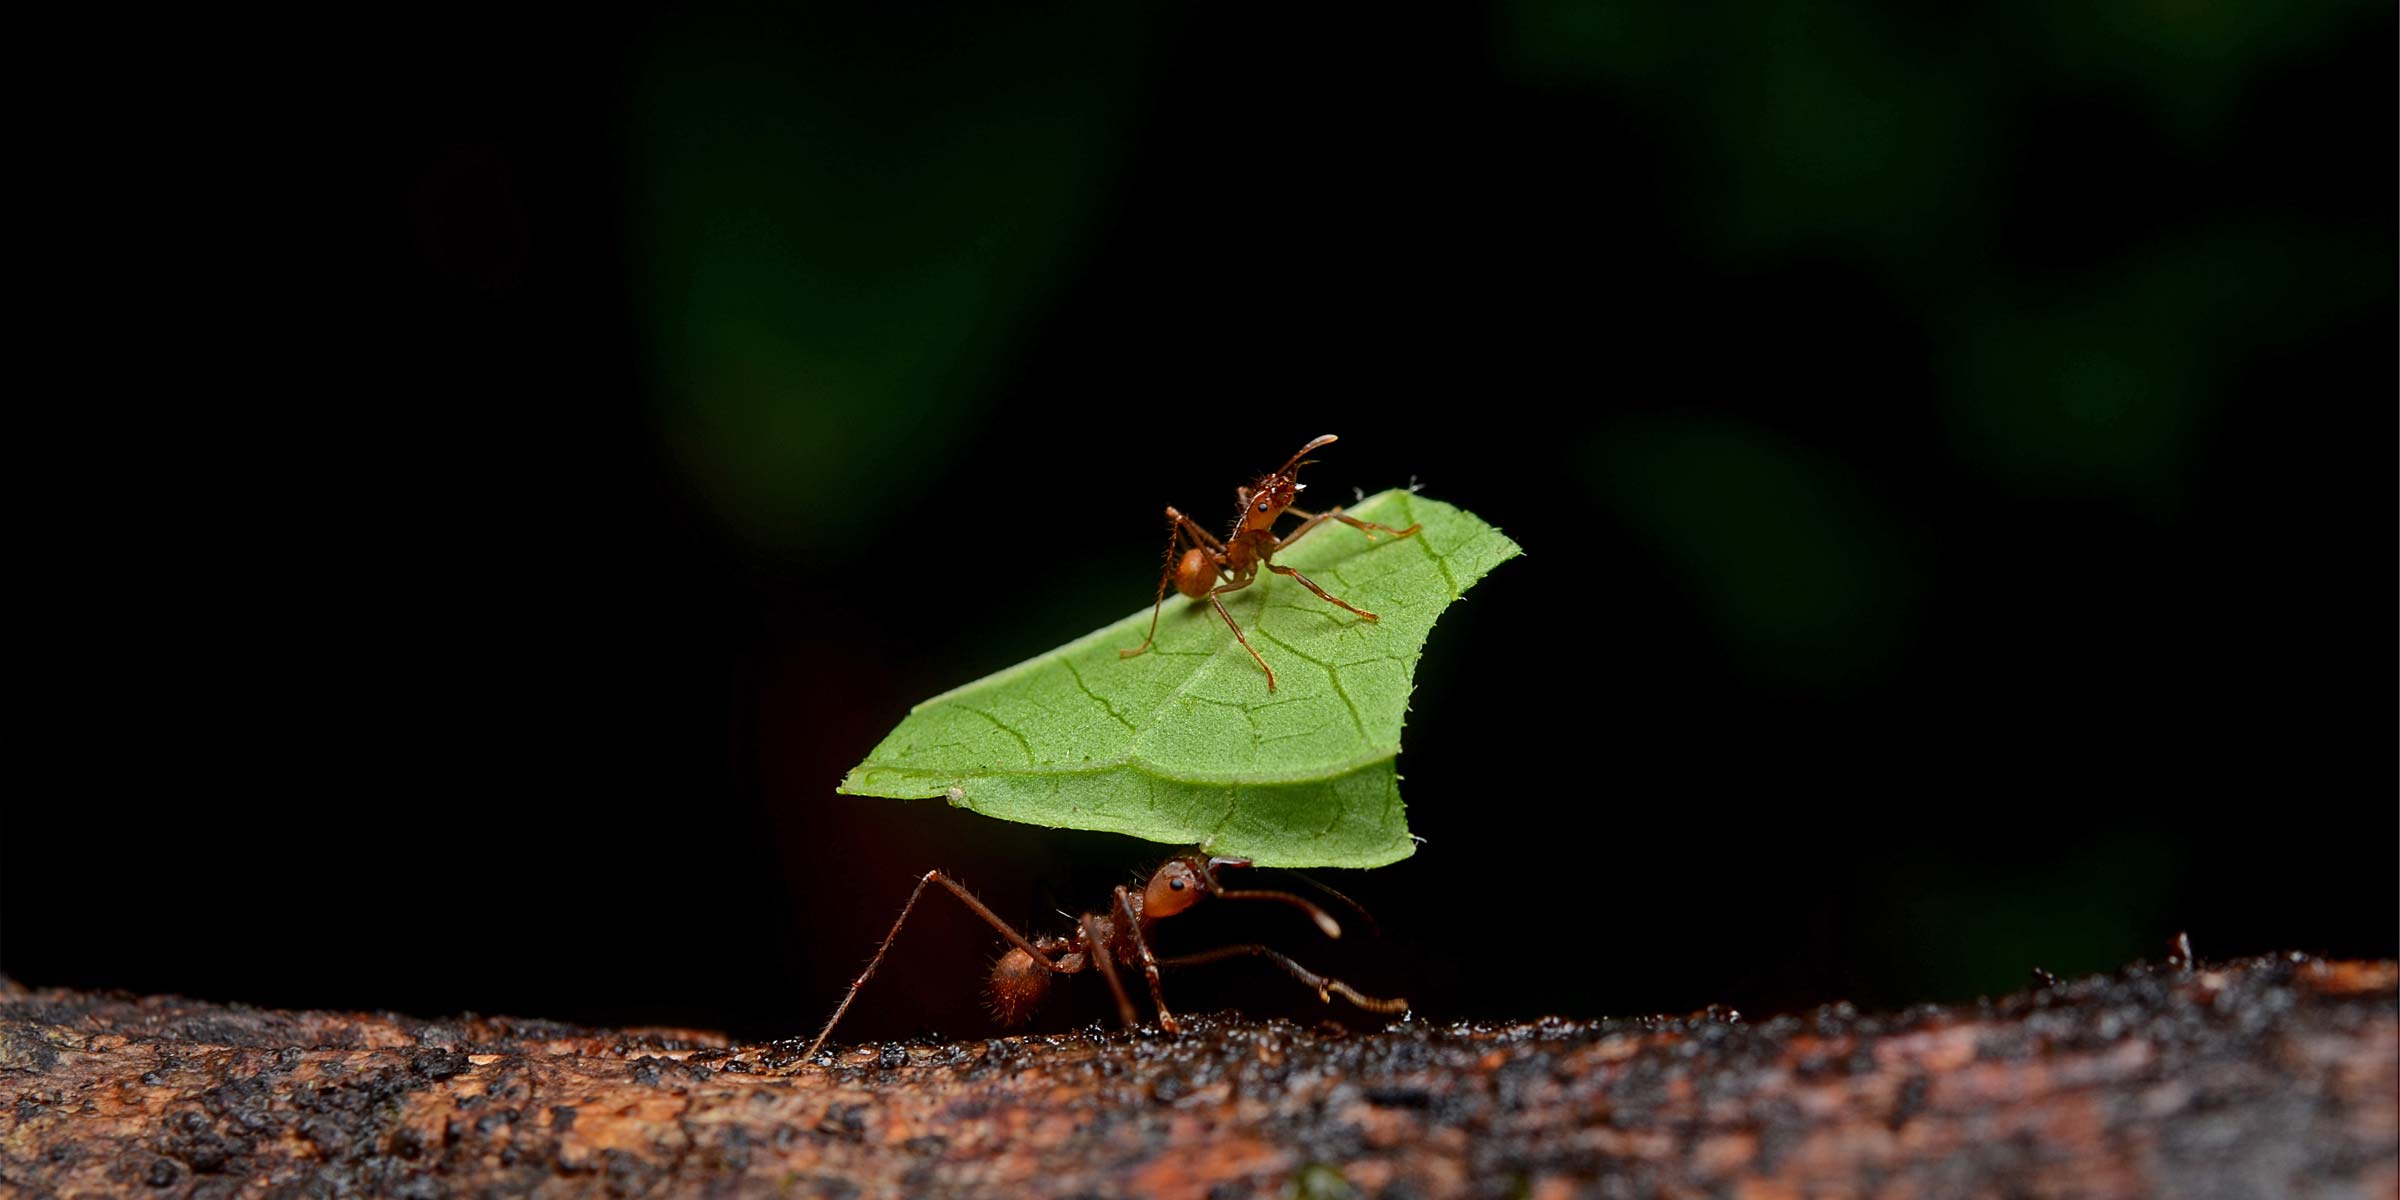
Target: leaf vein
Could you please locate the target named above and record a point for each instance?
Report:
(1004, 727)
(1103, 700)
(1327, 774)
(1333, 672)
(1233, 804)
(1441, 562)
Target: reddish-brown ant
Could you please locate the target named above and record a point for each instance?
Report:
(1211, 568)
(1021, 977)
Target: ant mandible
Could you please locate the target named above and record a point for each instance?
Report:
(1211, 568)
(1021, 977)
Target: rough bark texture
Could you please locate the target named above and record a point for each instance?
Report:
(2271, 1077)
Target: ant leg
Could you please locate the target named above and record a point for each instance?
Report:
(1325, 987)
(1133, 922)
(1155, 606)
(1108, 969)
(990, 918)
(1196, 531)
(1179, 527)
(1312, 520)
(1166, 575)
(1236, 586)
(1322, 594)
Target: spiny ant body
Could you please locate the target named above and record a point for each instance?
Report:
(1209, 568)
(1022, 976)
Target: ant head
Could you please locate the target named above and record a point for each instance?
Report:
(1266, 500)
(1177, 885)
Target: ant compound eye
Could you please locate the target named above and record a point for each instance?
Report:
(1177, 884)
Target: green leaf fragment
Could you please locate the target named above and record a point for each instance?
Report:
(1185, 744)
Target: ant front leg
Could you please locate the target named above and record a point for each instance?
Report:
(965, 897)
(1141, 945)
(1311, 520)
(1322, 594)
(1326, 987)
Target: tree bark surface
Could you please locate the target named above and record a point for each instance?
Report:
(2268, 1077)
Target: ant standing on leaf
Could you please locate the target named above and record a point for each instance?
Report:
(1121, 935)
(1211, 568)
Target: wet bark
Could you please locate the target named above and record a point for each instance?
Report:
(2270, 1077)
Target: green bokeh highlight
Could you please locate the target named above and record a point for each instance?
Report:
(1955, 929)
(1845, 132)
(2101, 391)
(2187, 59)
(1799, 568)
(843, 228)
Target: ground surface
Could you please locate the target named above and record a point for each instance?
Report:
(2269, 1077)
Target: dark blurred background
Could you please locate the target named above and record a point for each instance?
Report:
(484, 482)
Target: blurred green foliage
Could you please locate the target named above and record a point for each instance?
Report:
(1976, 925)
(1800, 122)
(1875, 137)
(2102, 389)
(847, 218)
(844, 225)
(1862, 132)
(2188, 59)
(1801, 570)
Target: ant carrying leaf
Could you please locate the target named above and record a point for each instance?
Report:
(1210, 568)
(1181, 745)
(1021, 977)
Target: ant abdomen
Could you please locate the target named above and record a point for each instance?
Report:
(1196, 574)
(1017, 986)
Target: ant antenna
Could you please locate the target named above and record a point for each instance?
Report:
(1373, 930)
(1294, 462)
(1208, 877)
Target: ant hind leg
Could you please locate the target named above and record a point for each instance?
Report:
(965, 897)
(1179, 528)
